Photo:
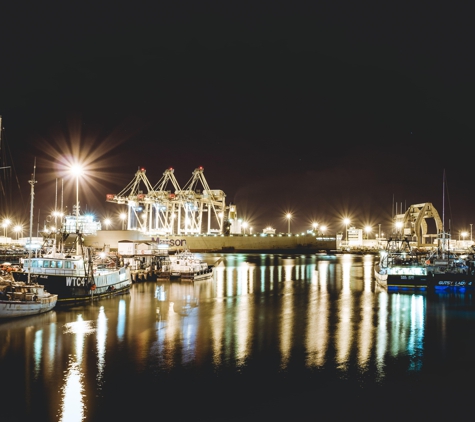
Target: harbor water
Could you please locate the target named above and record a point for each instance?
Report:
(271, 336)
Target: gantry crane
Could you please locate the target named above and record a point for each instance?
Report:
(157, 209)
(135, 199)
(196, 201)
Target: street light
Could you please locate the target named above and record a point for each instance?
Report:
(367, 230)
(5, 224)
(244, 226)
(464, 234)
(123, 216)
(399, 227)
(315, 226)
(323, 229)
(17, 229)
(76, 170)
(288, 216)
(57, 214)
(107, 222)
(346, 221)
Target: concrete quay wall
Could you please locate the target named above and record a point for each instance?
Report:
(202, 243)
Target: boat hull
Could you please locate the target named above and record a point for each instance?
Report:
(17, 308)
(186, 276)
(71, 289)
(451, 281)
(380, 276)
(400, 278)
(406, 282)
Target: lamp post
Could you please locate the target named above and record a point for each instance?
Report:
(57, 214)
(315, 226)
(367, 230)
(379, 232)
(5, 224)
(323, 229)
(399, 227)
(17, 229)
(288, 216)
(123, 216)
(346, 221)
(471, 233)
(107, 222)
(244, 226)
(77, 171)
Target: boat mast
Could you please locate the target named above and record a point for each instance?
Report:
(32, 183)
(62, 217)
(443, 216)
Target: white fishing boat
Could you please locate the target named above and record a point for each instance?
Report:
(185, 266)
(19, 299)
(399, 267)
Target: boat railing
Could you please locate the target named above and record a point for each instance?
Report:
(78, 272)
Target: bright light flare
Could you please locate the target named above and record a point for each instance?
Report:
(76, 170)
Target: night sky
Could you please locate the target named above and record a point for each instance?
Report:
(324, 110)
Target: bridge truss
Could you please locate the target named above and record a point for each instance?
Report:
(166, 208)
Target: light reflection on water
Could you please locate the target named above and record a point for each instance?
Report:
(263, 318)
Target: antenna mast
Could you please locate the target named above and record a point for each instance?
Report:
(32, 183)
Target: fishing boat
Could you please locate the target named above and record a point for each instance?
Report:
(185, 266)
(19, 299)
(399, 267)
(69, 269)
(75, 274)
(447, 269)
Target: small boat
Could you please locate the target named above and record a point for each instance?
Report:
(19, 299)
(445, 268)
(399, 267)
(185, 266)
(23, 298)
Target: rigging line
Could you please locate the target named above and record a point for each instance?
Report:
(448, 196)
(8, 158)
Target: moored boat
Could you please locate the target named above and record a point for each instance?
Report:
(399, 267)
(76, 275)
(26, 297)
(19, 299)
(185, 266)
(447, 269)
(72, 271)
